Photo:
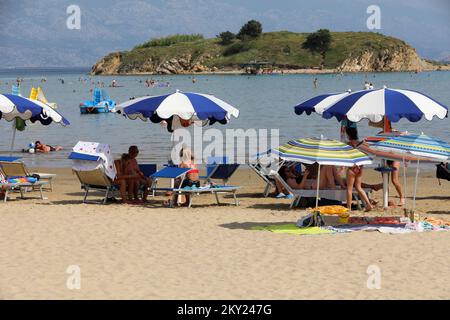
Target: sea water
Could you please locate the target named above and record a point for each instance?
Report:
(264, 101)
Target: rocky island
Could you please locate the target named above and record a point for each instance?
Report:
(318, 52)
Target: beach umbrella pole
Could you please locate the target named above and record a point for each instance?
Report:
(415, 186)
(318, 185)
(404, 179)
(385, 175)
(13, 139)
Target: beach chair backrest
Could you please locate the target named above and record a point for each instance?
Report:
(277, 177)
(14, 169)
(95, 178)
(148, 169)
(224, 171)
(170, 172)
(213, 162)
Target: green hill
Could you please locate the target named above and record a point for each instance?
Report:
(349, 51)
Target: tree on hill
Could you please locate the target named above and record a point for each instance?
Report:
(252, 29)
(318, 41)
(226, 37)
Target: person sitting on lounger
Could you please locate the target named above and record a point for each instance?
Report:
(192, 178)
(123, 179)
(140, 180)
(292, 179)
(40, 147)
(329, 177)
(188, 161)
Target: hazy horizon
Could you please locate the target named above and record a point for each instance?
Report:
(35, 34)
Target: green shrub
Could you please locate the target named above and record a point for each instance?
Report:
(318, 41)
(236, 48)
(170, 40)
(226, 38)
(252, 29)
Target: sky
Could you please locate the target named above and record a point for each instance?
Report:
(35, 34)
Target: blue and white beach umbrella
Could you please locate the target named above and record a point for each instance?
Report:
(13, 106)
(393, 103)
(319, 103)
(185, 105)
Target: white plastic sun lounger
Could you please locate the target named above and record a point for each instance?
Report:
(95, 180)
(21, 186)
(19, 169)
(261, 172)
(331, 194)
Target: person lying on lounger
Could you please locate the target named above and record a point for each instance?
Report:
(41, 147)
(293, 179)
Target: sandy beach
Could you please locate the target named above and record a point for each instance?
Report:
(210, 252)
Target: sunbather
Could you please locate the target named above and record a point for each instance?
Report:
(139, 179)
(192, 178)
(295, 181)
(123, 179)
(41, 147)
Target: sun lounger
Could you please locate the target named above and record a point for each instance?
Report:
(175, 173)
(331, 194)
(95, 180)
(212, 164)
(18, 169)
(263, 173)
(221, 172)
(7, 184)
(148, 169)
(443, 171)
(7, 187)
(9, 159)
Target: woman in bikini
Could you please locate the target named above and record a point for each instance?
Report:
(192, 178)
(354, 175)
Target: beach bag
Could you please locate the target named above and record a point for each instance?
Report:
(443, 171)
(311, 220)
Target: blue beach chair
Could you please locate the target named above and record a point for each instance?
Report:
(175, 172)
(222, 172)
(212, 164)
(9, 159)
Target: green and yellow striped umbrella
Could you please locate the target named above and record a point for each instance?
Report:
(323, 151)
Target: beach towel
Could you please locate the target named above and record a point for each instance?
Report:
(95, 149)
(291, 228)
(22, 180)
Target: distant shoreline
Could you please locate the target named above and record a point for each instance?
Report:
(86, 70)
(239, 72)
